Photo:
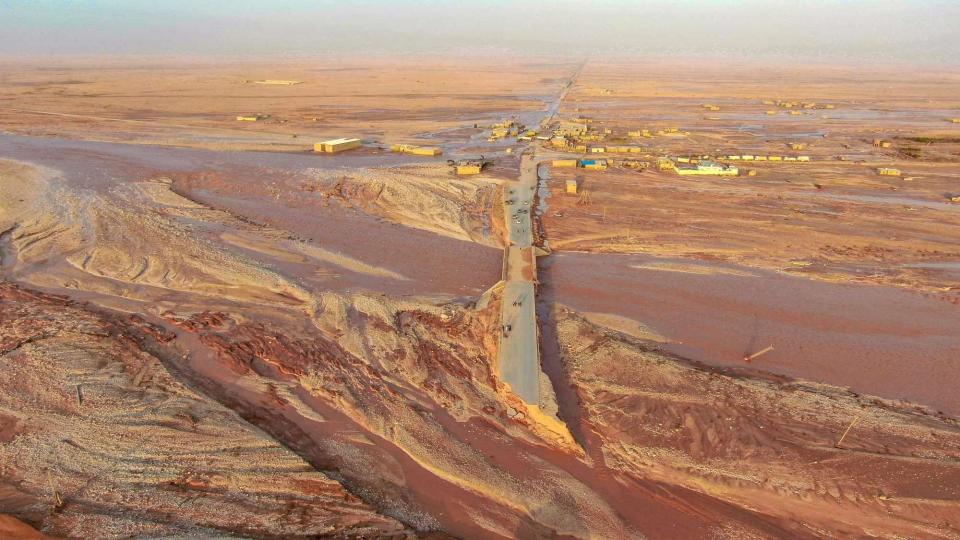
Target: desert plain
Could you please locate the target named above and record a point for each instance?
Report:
(208, 329)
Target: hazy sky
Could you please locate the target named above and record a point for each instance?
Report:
(877, 30)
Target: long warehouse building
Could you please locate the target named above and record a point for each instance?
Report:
(337, 145)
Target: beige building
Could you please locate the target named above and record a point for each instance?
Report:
(468, 169)
(416, 150)
(665, 164)
(594, 164)
(571, 187)
(559, 142)
(624, 149)
(708, 169)
(887, 171)
(277, 82)
(571, 129)
(337, 145)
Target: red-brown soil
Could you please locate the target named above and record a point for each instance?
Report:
(402, 408)
(101, 440)
(273, 345)
(768, 445)
(14, 529)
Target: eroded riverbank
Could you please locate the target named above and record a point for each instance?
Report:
(878, 340)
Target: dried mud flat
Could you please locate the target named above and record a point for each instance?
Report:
(852, 277)
(199, 343)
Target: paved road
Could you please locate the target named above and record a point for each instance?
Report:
(518, 203)
(519, 364)
(519, 344)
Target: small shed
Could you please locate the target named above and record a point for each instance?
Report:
(594, 164)
(468, 169)
(337, 145)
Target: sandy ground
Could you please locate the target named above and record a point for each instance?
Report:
(99, 439)
(852, 277)
(305, 241)
(861, 231)
(327, 317)
(195, 103)
(829, 218)
(770, 446)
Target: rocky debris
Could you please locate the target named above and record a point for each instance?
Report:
(94, 445)
(198, 321)
(398, 399)
(769, 445)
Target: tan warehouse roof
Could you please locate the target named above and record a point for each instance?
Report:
(339, 141)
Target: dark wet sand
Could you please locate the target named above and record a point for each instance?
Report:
(877, 340)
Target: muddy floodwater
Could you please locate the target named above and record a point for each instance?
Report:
(95, 164)
(877, 340)
(421, 262)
